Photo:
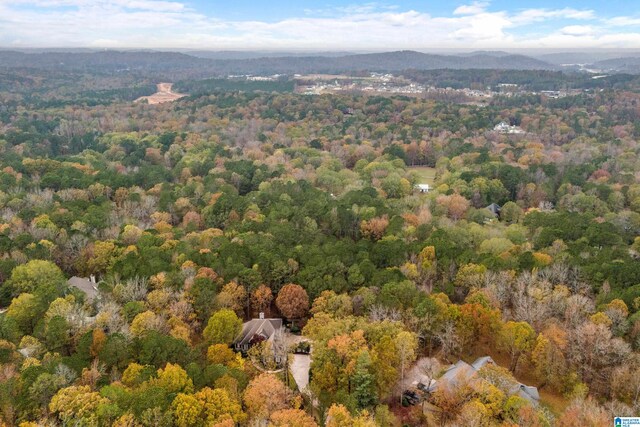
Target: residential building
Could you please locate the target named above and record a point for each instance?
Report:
(494, 209)
(86, 285)
(422, 188)
(504, 127)
(462, 372)
(255, 331)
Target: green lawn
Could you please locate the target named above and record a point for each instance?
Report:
(426, 174)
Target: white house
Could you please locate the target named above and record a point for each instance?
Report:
(422, 188)
(504, 127)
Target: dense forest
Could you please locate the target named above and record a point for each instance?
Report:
(197, 215)
(208, 86)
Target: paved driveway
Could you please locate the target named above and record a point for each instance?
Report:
(300, 365)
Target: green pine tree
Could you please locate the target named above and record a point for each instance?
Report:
(364, 390)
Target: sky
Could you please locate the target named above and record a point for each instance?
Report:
(320, 25)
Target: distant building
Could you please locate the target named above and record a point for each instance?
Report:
(422, 188)
(504, 127)
(255, 331)
(462, 372)
(86, 285)
(553, 94)
(501, 127)
(494, 209)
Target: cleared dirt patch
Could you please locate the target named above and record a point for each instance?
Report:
(164, 94)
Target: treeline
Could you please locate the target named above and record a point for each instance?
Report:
(176, 66)
(49, 89)
(210, 86)
(533, 80)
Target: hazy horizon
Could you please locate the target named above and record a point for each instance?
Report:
(345, 51)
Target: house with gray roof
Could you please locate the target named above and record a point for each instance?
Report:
(255, 331)
(494, 209)
(86, 285)
(462, 372)
(527, 392)
(481, 362)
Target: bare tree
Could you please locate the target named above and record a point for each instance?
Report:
(378, 313)
(429, 367)
(501, 284)
(529, 304)
(134, 289)
(110, 318)
(448, 338)
(563, 274)
(281, 346)
(595, 353)
(578, 307)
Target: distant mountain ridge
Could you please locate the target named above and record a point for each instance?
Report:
(109, 60)
(175, 62)
(560, 58)
(241, 54)
(629, 64)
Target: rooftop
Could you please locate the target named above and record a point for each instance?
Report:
(461, 372)
(265, 327)
(85, 285)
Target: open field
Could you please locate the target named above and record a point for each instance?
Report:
(427, 175)
(164, 94)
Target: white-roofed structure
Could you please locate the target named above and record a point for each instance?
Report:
(422, 188)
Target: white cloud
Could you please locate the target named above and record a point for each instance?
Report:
(577, 30)
(173, 24)
(559, 40)
(158, 6)
(471, 9)
(530, 16)
(624, 21)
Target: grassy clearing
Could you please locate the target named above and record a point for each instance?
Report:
(426, 174)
